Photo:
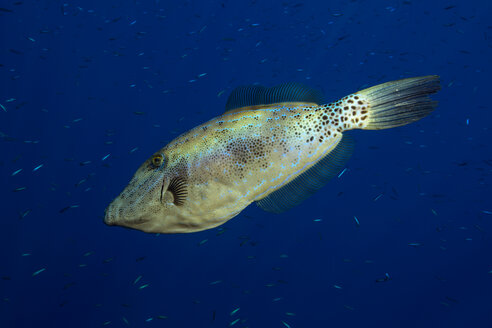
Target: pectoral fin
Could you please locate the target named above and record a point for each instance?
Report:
(310, 181)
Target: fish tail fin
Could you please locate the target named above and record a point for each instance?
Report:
(391, 104)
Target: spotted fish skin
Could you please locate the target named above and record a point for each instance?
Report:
(242, 156)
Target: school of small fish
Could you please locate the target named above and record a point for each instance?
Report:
(271, 146)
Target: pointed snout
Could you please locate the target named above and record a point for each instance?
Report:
(109, 216)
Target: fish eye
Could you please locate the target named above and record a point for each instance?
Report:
(157, 160)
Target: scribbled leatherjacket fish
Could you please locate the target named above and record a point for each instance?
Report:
(273, 146)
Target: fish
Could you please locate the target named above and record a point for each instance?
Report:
(234, 322)
(38, 272)
(273, 146)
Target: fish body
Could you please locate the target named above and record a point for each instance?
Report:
(274, 149)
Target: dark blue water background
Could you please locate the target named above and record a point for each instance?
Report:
(83, 79)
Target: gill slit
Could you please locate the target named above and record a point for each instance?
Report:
(162, 189)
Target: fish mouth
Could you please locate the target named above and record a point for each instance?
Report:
(109, 216)
(135, 222)
(111, 219)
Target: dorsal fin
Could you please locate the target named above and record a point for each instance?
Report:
(306, 184)
(257, 96)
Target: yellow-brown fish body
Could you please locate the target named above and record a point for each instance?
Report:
(275, 154)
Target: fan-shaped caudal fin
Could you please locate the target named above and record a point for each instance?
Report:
(390, 104)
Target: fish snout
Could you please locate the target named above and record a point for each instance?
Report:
(110, 215)
(120, 214)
